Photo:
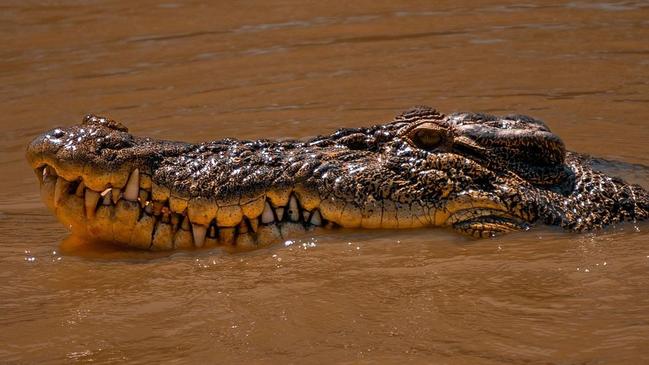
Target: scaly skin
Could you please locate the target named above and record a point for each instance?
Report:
(477, 174)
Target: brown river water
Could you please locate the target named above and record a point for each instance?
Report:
(292, 69)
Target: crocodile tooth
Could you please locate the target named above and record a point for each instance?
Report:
(116, 193)
(316, 218)
(212, 232)
(254, 224)
(185, 224)
(105, 192)
(267, 215)
(306, 214)
(106, 200)
(80, 188)
(293, 212)
(243, 227)
(90, 201)
(60, 189)
(199, 232)
(49, 171)
(212, 237)
(40, 175)
(280, 213)
(131, 191)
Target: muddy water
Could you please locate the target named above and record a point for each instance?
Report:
(294, 69)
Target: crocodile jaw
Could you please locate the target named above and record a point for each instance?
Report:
(131, 217)
(144, 215)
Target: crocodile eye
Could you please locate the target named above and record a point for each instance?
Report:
(426, 137)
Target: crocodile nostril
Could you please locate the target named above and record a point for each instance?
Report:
(57, 133)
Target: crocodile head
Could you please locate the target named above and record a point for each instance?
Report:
(478, 174)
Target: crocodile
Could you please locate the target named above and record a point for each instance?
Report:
(477, 174)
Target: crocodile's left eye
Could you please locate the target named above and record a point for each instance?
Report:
(427, 136)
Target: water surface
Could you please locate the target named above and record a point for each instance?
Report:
(293, 69)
